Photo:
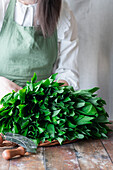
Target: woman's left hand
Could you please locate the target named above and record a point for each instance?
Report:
(6, 86)
(63, 81)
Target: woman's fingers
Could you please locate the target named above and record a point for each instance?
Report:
(15, 87)
(6, 86)
(63, 81)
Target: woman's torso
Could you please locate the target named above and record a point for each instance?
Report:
(24, 50)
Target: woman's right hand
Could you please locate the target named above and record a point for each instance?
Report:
(6, 86)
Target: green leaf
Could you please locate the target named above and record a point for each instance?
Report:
(80, 103)
(94, 101)
(35, 100)
(24, 124)
(6, 98)
(34, 78)
(15, 129)
(56, 112)
(89, 109)
(41, 130)
(47, 118)
(56, 84)
(25, 132)
(62, 121)
(93, 90)
(37, 115)
(55, 119)
(53, 76)
(103, 135)
(80, 136)
(47, 112)
(10, 112)
(67, 99)
(60, 140)
(102, 119)
(60, 91)
(60, 133)
(22, 94)
(2, 109)
(15, 97)
(54, 108)
(72, 114)
(46, 83)
(4, 112)
(71, 125)
(51, 130)
(31, 87)
(21, 109)
(85, 120)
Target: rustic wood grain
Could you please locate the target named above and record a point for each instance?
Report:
(28, 162)
(108, 143)
(92, 155)
(61, 158)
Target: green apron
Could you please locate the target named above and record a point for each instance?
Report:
(24, 50)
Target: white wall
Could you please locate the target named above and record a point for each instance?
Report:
(95, 30)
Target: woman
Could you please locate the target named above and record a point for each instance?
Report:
(36, 36)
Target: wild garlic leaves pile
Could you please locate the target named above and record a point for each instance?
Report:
(45, 110)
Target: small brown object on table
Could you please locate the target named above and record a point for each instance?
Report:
(80, 155)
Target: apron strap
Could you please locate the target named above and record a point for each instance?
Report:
(10, 10)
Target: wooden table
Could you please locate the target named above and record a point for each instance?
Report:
(81, 155)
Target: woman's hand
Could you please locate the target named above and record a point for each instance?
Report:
(6, 86)
(63, 81)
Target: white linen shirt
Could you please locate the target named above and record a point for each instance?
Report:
(66, 65)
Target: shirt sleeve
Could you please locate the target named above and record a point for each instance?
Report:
(66, 65)
(3, 8)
